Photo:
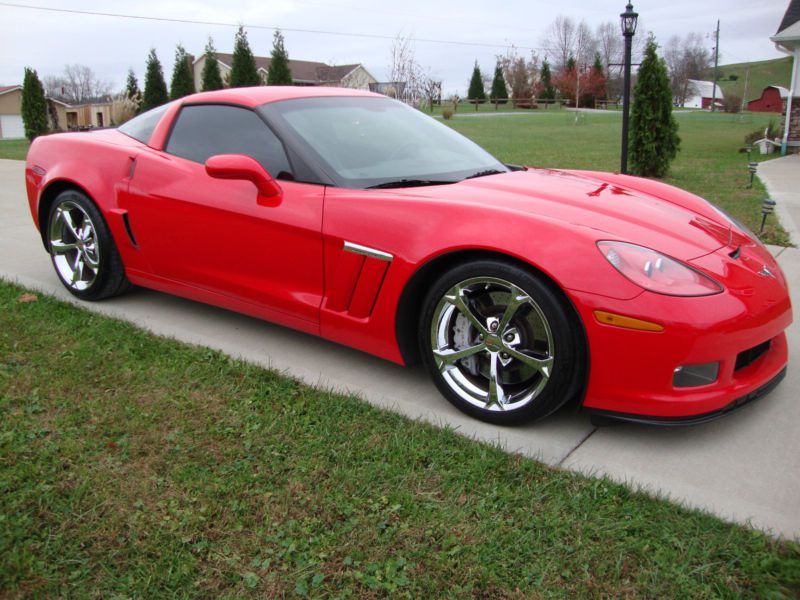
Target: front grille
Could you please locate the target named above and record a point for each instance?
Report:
(751, 355)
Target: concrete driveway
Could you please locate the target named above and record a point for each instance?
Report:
(744, 468)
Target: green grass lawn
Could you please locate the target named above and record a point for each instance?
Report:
(709, 163)
(14, 149)
(133, 466)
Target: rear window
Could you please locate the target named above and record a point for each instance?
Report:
(142, 127)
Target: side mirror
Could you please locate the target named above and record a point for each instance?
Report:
(239, 166)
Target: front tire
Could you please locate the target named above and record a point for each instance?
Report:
(83, 252)
(500, 343)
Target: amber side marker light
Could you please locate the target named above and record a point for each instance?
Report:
(626, 322)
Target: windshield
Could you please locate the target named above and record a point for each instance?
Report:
(370, 141)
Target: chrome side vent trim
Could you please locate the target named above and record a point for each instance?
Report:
(366, 251)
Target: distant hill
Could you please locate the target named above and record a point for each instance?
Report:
(762, 73)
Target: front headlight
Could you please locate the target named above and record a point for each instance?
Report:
(656, 272)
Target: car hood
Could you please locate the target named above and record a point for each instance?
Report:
(670, 220)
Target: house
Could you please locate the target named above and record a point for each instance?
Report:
(787, 40)
(60, 115)
(11, 126)
(771, 100)
(700, 94)
(304, 72)
(68, 117)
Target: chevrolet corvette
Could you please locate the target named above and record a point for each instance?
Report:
(351, 216)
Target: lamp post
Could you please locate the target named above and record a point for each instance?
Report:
(628, 22)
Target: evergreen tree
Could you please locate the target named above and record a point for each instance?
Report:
(499, 91)
(34, 105)
(243, 70)
(132, 85)
(654, 140)
(597, 67)
(570, 66)
(155, 88)
(212, 79)
(182, 83)
(476, 90)
(546, 76)
(279, 72)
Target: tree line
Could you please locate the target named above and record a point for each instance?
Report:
(243, 73)
(79, 84)
(575, 61)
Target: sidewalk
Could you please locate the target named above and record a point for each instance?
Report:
(781, 176)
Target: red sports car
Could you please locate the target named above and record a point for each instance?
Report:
(356, 218)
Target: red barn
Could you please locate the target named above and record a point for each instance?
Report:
(772, 100)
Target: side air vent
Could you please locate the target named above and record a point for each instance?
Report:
(358, 279)
(128, 229)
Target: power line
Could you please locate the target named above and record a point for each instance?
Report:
(251, 26)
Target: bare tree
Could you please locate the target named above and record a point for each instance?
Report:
(610, 45)
(78, 84)
(565, 38)
(521, 74)
(432, 89)
(585, 44)
(559, 41)
(687, 58)
(404, 69)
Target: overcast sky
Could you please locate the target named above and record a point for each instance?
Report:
(47, 41)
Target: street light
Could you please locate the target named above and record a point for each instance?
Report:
(628, 22)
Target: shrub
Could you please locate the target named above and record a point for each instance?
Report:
(155, 88)
(182, 83)
(34, 106)
(773, 131)
(499, 91)
(243, 64)
(731, 103)
(654, 137)
(123, 108)
(279, 72)
(447, 112)
(211, 77)
(476, 90)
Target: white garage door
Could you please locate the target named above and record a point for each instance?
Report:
(11, 127)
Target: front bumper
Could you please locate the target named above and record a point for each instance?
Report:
(694, 419)
(631, 372)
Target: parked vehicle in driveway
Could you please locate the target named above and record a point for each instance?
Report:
(351, 216)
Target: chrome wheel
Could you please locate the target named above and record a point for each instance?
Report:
(74, 245)
(492, 344)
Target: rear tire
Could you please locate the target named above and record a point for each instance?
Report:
(500, 343)
(83, 252)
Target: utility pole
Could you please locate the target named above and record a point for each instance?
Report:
(744, 95)
(716, 64)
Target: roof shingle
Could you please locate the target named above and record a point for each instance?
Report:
(791, 17)
(302, 70)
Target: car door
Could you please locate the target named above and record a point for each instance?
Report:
(215, 234)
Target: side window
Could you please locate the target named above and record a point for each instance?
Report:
(207, 129)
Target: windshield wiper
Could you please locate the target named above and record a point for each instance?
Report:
(485, 173)
(401, 183)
